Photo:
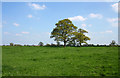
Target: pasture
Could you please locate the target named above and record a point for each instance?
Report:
(59, 61)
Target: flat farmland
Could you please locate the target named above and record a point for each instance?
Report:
(59, 61)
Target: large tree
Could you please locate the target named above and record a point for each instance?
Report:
(80, 36)
(62, 31)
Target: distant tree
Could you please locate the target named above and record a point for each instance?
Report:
(113, 43)
(11, 44)
(17, 45)
(47, 45)
(40, 44)
(53, 45)
(25, 45)
(62, 31)
(97, 44)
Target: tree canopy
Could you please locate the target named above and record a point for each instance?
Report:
(65, 31)
(62, 31)
(80, 36)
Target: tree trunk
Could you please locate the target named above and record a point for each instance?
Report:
(64, 44)
(74, 43)
(80, 44)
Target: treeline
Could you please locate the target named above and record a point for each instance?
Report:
(113, 43)
(54, 45)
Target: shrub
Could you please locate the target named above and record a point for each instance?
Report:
(40, 44)
(17, 45)
(47, 45)
(53, 45)
(113, 43)
(11, 44)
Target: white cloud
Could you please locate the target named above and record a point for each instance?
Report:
(18, 34)
(83, 25)
(6, 33)
(15, 24)
(107, 31)
(92, 15)
(29, 16)
(37, 6)
(115, 24)
(77, 18)
(90, 25)
(113, 21)
(25, 32)
(115, 7)
(110, 0)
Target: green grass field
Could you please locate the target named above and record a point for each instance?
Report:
(59, 61)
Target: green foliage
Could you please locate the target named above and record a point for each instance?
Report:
(80, 36)
(66, 32)
(11, 44)
(17, 45)
(58, 61)
(62, 31)
(82, 31)
(40, 44)
(47, 45)
(113, 43)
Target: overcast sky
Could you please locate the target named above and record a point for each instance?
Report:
(32, 22)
